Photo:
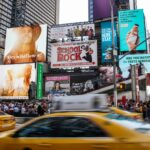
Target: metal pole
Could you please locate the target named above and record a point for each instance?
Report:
(114, 57)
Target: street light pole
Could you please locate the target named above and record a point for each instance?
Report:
(114, 53)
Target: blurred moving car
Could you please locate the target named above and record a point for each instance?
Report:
(75, 130)
(7, 122)
(137, 116)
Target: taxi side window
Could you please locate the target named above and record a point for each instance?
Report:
(62, 127)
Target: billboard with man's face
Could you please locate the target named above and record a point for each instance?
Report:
(15, 80)
(25, 44)
(74, 54)
(132, 30)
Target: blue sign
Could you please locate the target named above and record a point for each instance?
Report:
(106, 40)
(132, 30)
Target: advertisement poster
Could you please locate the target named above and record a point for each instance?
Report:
(74, 54)
(57, 85)
(39, 81)
(15, 80)
(132, 30)
(74, 32)
(25, 44)
(106, 40)
(143, 61)
(80, 84)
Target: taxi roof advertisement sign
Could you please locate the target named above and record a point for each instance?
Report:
(132, 30)
(74, 54)
(25, 44)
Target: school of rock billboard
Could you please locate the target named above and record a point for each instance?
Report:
(57, 85)
(132, 30)
(15, 80)
(69, 32)
(143, 61)
(74, 54)
(25, 44)
(106, 40)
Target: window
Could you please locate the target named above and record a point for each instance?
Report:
(62, 127)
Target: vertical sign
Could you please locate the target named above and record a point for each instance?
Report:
(39, 81)
(132, 30)
(106, 39)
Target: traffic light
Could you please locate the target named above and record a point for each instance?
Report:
(122, 86)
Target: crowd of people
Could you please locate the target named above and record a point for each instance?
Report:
(21, 109)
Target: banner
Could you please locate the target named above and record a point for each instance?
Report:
(39, 81)
(80, 84)
(74, 32)
(143, 60)
(106, 40)
(132, 30)
(25, 44)
(15, 80)
(57, 85)
(74, 54)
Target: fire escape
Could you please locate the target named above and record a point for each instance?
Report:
(18, 14)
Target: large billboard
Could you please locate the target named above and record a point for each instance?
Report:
(15, 80)
(74, 54)
(143, 61)
(25, 44)
(57, 85)
(80, 84)
(73, 32)
(101, 9)
(132, 30)
(106, 40)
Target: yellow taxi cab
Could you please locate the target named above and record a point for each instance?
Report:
(74, 127)
(133, 115)
(73, 130)
(7, 122)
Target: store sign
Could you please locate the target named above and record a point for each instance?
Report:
(74, 54)
(39, 81)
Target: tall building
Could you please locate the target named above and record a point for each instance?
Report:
(15, 13)
(100, 9)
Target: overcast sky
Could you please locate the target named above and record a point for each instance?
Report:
(77, 10)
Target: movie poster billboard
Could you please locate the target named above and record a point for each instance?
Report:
(74, 54)
(57, 85)
(143, 61)
(15, 80)
(25, 44)
(106, 40)
(74, 32)
(80, 84)
(132, 30)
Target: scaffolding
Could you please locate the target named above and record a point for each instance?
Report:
(18, 15)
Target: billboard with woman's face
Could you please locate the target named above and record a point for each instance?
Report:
(15, 80)
(57, 85)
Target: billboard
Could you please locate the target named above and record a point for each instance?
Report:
(25, 44)
(74, 54)
(74, 32)
(132, 30)
(106, 38)
(101, 9)
(80, 84)
(57, 85)
(15, 80)
(143, 61)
